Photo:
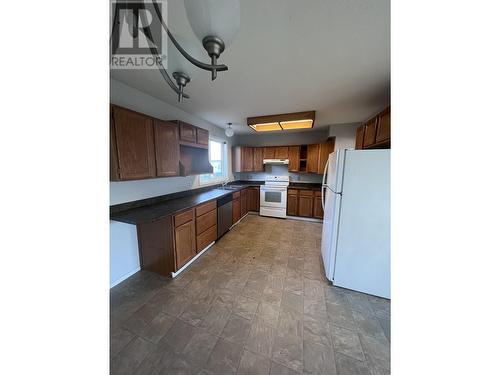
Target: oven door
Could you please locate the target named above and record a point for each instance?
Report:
(273, 197)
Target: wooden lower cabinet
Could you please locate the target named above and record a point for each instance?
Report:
(244, 202)
(292, 202)
(253, 198)
(236, 207)
(185, 243)
(318, 205)
(306, 202)
(166, 245)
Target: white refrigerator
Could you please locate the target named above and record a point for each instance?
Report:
(355, 242)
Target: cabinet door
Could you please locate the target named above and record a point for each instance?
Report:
(384, 126)
(269, 153)
(318, 207)
(236, 209)
(253, 199)
(325, 149)
(202, 137)
(166, 148)
(258, 163)
(360, 132)
(185, 243)
(281, 152)
(370, 133)
(292, 203)
(306, 201)
(294, 158)
(134, 144)
(312, 158)
(247, 159)
(187, 132)
(244, 202)
(113, 153)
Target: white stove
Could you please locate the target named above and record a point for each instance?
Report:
(273, 196)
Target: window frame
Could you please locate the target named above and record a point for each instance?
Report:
(224, 161)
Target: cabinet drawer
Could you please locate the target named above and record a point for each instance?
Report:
(184, 217)
(205, 207)
(236, 195)
(306, 193)
(206, 221)
(293, 191)
(204, 239)
(317, 193)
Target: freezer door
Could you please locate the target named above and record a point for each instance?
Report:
(330, 230)
(335, 171)
(362, 260)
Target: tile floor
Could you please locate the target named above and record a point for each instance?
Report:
(255, 303)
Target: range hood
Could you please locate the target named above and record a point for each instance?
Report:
(276, 161)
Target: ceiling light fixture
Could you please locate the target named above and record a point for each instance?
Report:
(215, 23)
(229, 131)
(285, 121)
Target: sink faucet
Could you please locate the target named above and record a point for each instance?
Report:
(225, 182)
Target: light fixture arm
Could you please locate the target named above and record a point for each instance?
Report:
(152, 48)
(214, 68)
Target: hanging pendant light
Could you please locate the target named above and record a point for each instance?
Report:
(215, 23)
(229, 131)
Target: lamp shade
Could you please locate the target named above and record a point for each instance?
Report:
(178, 63)
(220, 18)
(229, 131)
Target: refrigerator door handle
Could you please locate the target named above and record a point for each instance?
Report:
(323, 185)
(324, 172)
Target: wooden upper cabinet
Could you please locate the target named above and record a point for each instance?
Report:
(166, 148)
(360, 132)
(312, 158)
(247, 159)
(258, 159)
(187, 132)
(134, 142)
(384, 126)
(269, 152)
(281, 152)
(318, 205)
(202, 137)
(294, 158)
(113, 153)
(325, 149)
(370, 133)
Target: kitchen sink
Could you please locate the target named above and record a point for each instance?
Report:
(229, 187)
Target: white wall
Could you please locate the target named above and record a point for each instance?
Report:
(278, 170)
(345, 135)
(124, 253)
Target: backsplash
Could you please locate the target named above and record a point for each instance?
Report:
(278, 170)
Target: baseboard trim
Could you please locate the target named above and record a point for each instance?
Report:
(124, 277)
(174, 274)
(300, 218)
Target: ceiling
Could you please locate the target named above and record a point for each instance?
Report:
(332, 56)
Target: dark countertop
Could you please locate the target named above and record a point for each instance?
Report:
(305, 185)
(157, 208)
(154, 209)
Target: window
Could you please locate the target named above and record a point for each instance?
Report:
(217, 152)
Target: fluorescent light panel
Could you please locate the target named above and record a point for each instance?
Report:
(298, 124)
(266, 127)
